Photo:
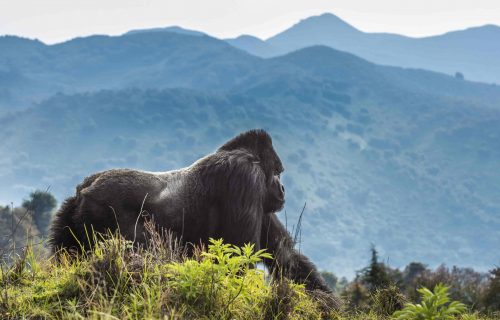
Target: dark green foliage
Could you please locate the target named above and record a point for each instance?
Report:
(465, 284)
(375, 275)
(413, 270)
(492, 295)
(478, 291)
(40, 204)
(382, 289)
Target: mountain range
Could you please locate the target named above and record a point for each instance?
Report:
(473, 52)
(406, 159)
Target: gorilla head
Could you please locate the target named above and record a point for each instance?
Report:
(259, 143)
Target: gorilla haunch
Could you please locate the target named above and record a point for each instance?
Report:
(232, 194)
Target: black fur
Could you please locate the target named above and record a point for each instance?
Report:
(232, 194)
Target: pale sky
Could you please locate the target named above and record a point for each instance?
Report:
(58, 20)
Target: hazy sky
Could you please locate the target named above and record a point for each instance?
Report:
(57, 20)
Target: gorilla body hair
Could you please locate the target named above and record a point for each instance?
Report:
(232, 194)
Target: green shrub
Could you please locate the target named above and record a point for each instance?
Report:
(223, 284)
(434, 306)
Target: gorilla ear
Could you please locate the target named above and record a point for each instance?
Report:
(253, 140)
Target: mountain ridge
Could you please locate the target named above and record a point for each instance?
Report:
(120, 61)
(472, 51)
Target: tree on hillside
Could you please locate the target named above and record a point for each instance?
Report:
(491, 299)
(41, 204)
(459, 76)
(375, 275)
(413, 270)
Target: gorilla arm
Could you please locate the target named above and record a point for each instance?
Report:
(287, 261)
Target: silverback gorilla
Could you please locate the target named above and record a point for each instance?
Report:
(232, 194)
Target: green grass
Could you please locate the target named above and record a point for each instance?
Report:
(117, 281)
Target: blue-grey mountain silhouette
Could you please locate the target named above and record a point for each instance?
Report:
(473, 51)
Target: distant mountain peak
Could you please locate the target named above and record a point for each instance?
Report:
(247, 37)
(327, 16)
(491, 26)
(172, 29)
(325, 20)
(314, 30)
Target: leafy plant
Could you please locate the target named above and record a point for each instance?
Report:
(223, 281)
(434, 306)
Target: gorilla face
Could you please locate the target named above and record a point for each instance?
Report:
(275, 198)
(272, 166)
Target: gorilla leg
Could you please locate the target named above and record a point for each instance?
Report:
(62, 229)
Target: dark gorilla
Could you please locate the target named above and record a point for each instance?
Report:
(232, 194)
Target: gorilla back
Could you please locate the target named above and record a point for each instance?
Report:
(233, 194)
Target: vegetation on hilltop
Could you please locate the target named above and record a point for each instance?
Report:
(117, 280)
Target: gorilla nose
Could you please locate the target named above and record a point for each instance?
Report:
(283, 189)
